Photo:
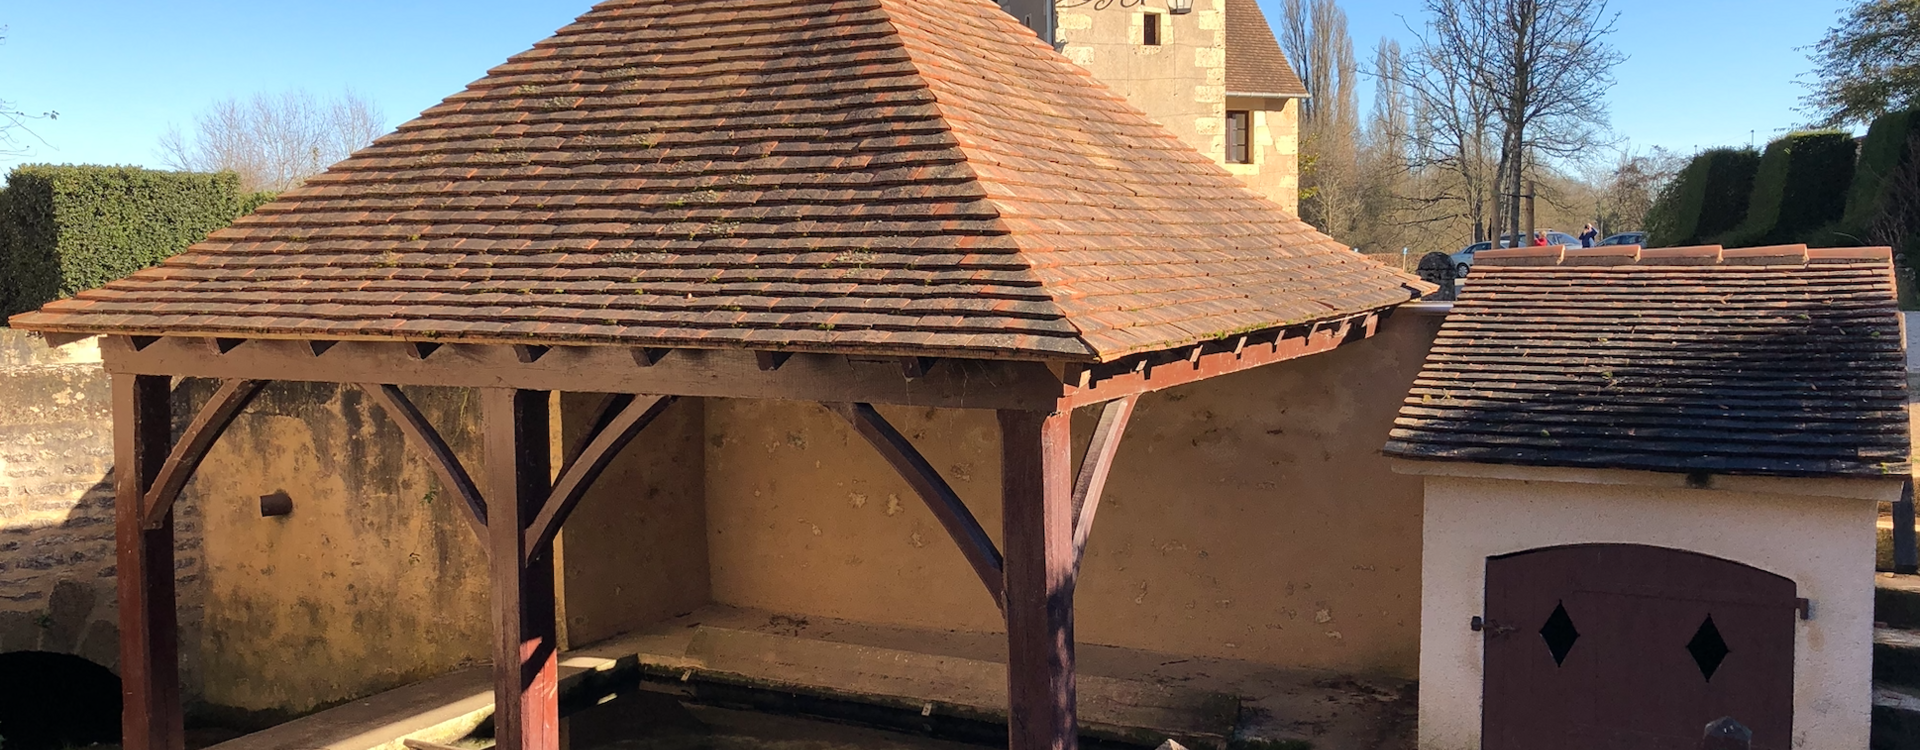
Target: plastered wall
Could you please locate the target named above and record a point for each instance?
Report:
(375, 580)
(1825, 544)
(1248, 517)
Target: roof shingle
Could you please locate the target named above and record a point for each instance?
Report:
(1255, 64)
(885, 176)
(1768, 361)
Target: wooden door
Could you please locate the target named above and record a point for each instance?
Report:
(1628, 647)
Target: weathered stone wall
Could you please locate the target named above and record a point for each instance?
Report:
(56, 507)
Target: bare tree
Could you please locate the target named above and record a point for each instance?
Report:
(274, 142)
(1452, 133)
(15, 124)
(1315, 39)
(1868, 65)
(1539, 69)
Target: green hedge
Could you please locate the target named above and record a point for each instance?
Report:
(66, 229)
(1801, 187)
(1707, 199)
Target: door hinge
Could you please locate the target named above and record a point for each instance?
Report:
(1493, 629)
(1804, 606)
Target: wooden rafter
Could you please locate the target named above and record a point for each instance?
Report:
(934, 491)
(207, 427)
(1153, 371)
(427, 440)
(1094, 468)
(629, 416)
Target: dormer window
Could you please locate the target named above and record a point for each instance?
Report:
(1150, 29)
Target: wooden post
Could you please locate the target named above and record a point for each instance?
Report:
(1037, 491)
(526, 713)
(1906, 553)
(149, 625)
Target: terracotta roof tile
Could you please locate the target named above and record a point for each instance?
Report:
(1255, 64)
(892, 176)
(1773, 361)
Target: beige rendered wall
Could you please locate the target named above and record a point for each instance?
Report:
(374, 581)
(635, 549)
(1248, 517)
(1825, 544)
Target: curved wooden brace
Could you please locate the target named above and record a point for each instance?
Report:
(427, 440)
(1094, 467)
(934, 490)
(609, 437)
(201, 434)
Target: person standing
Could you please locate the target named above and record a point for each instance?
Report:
(1539, 239)
(1587, 237)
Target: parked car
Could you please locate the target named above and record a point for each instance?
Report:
(1626, 238)
(1463, 260)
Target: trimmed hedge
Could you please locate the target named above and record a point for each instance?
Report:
(1708, 198)
(66, 229)
(1801, 186)
(1881, 155)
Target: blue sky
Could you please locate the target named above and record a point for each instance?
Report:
(1700, 72)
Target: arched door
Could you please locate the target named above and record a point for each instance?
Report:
(1628, 646)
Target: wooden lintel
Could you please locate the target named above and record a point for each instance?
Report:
(1158, 371)
(205, 429)
(425, 439)
(585, 466)
(57, 340)
(1091, 482)
(933, 489)
(771, 361)
(528, 353)
(955, 384)
(648, 356)
(320, 347)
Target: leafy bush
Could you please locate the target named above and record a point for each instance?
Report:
(1801, 186)
(66, 229)
(1708, 198)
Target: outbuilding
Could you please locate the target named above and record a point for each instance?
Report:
(1651, 485)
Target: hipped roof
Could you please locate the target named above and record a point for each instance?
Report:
(880, 176)
(1776, 361)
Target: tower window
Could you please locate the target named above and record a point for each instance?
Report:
(1240, 137)
(1150, 29)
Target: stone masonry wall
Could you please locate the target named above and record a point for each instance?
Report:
(56, 508)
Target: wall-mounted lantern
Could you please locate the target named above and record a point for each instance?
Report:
(1179, 7)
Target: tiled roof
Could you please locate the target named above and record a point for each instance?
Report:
(881, 176)
(1255, 64)
(1771, 361)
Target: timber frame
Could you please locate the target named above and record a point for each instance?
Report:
(518, 506)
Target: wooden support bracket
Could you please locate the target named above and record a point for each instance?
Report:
(1094, 468)
(622, 419)
(201, 434)
(934, 490)
(427, 440)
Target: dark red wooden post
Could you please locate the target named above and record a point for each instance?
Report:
(1037, 535)
(526, 713)
(149, 624)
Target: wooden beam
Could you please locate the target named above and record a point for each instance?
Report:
(526, 712)
(1091, 482)
(586, 464)
(151, 715)
(1036, 450)
(934, 491)
(425, 439)
(1155, 371)
(206, 429)
(956, 383)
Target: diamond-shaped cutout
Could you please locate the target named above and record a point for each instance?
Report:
(1708, 648)
(1559, 633)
